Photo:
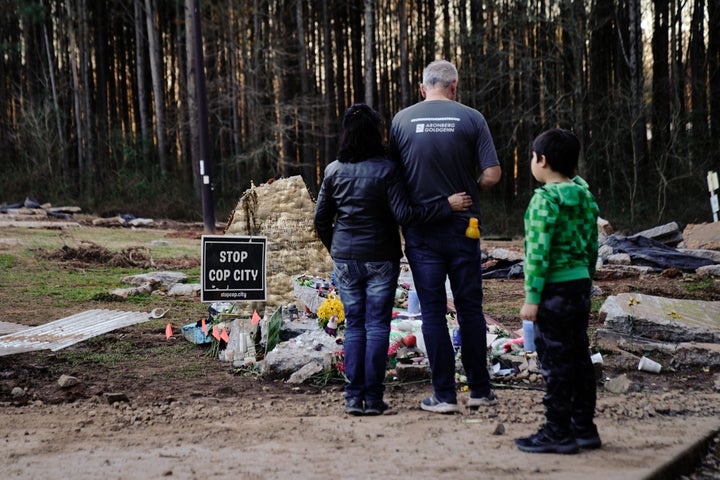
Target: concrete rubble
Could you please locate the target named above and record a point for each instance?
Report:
(678, 332)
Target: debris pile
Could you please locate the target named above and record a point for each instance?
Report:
(31, 209)
(671, 332)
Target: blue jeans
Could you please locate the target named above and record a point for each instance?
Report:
(367, 291)
(435, 252)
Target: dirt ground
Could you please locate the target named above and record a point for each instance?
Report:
(191, 416)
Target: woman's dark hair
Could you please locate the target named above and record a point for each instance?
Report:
(362, 134)
(561, 149)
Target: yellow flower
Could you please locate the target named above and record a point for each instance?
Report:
(329, 307)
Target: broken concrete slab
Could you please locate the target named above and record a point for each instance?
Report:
(619, 385)
(683, 353)
(184, 290)
(704, 236)
(669, 234)
(619, 259)
(289, 357)
(708, 271)
(164, 278)
(608, 272)
(38, 224)
(665, 319)
(713, 255)
(305, 373)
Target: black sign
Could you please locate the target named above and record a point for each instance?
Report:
(233, 268)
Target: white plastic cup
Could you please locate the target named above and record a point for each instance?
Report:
(596, 358)
(413, 302)
(649, 365)
(528, 335)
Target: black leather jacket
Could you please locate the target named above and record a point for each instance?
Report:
(360, 205)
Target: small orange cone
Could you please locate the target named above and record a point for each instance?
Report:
(255, 317)
(168, 332)
(215, 332)
(204, 327)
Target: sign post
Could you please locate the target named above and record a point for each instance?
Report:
(233, 268)
(712, 181)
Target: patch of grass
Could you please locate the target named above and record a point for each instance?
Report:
(100, 351)
(700, 285)
(596, 303)
(7, 261)
(111, 238)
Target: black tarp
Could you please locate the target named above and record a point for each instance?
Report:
(651, 253)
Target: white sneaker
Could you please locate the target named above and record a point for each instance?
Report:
(431, 404)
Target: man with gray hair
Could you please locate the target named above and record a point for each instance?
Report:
(446, 147)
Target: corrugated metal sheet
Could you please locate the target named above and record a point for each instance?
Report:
(68, 331)
(7, 327)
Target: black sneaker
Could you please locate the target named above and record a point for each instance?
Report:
(587, 437)
(544, 441)
(354, 406)
(376, 407)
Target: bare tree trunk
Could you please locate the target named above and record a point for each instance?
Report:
(140, 70)
(637, 114)
(64, 165)
(404, 78)
(84, 52)
(698, 83)
(308, 159)
(157, 82)
(446, 30)
(192, 99)
(327, 61)
(76, 94)
(234, 79)
(714, 67)
(369, 59)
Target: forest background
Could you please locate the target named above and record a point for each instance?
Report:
(98, 102)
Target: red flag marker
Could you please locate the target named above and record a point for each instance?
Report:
(168, 332)
(215, 332)
(255, 317)
(224, 335)
(204, 327)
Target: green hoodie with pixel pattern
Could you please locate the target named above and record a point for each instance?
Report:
(561, 240)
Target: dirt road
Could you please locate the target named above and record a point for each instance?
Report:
(268, 434)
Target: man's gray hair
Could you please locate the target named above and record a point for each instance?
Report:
(439, 73)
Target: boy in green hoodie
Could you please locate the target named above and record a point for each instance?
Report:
(560, 255)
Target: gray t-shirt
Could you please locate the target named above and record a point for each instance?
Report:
(443, 147)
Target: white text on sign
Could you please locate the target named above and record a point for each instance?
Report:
(233, 256)
(237, 275)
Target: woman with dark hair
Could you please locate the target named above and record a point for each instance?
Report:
(361, 203)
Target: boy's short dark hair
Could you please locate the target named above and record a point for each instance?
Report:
(561, 149)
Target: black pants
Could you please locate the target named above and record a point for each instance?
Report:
(562, 345)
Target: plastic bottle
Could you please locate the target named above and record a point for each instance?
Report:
(472, 230)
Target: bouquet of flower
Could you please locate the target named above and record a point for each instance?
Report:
(329, 307)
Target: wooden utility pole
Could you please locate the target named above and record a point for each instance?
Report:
(208, 205)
